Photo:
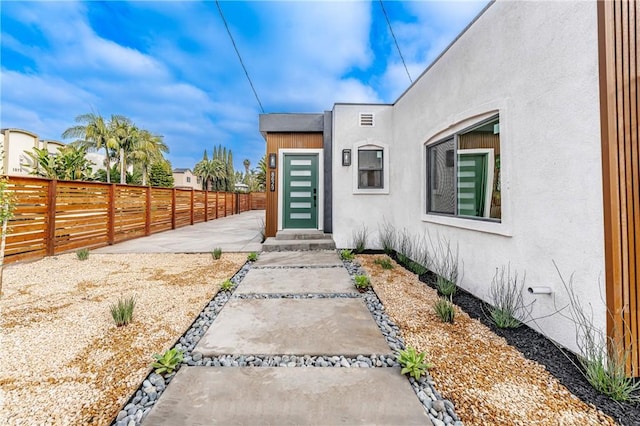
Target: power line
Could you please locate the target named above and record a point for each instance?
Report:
(395, 40)
(239, 57)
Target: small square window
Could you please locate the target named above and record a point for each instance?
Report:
(370, 169)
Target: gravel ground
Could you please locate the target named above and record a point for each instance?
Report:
(489, 381)
(64, 360)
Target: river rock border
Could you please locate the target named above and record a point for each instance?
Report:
(441, 411)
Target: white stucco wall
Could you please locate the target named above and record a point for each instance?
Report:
(536, 64)
(16, 142)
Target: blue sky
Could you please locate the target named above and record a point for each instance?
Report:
(170, 65)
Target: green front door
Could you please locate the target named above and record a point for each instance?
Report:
(300, 191)
(472, 182)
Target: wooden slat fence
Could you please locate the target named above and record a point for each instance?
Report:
(53, 217)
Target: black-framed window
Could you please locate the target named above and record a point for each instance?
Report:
(463, 173)
(370, 168)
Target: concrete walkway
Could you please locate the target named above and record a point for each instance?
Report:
(259, 320)
(236, 233)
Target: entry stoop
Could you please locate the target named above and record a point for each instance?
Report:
(299, 240)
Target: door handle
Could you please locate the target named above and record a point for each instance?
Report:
(315, 197)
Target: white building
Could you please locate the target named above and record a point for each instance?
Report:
(518, 145)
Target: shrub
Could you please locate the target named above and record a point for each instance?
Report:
(252, 257)
(505, 294)
(362, 282)
(168, 361)
(387, 237)
(416, 267)
(445, 261)
(122, 311)
(216, 253)
(446, 287)
(413, 363)
(226, 285)
(347, 255)
(383, 262)
(445, 309)
(82, 254)
(359, 239)
(601, 358)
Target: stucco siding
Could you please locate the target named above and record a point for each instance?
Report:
(536, 65)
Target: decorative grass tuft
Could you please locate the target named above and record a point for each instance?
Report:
(122, 311)
(445, 310)
(82, 254)
(216, 253)
(384, 262)
(445, 287)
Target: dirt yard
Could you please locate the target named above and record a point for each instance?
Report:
(489, 381)
(63, 359)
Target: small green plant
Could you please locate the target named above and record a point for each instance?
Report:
(82, 254)
(387, 237)
(445, 287)
(226, 285)
(252, 257)
(602, 359)
(413, 363)
(445, 309)
(608, 376)
(416, 268)
(216, 253)
(359, 238)
(362, 282)
(384, 262)
(168, 361)
(505, 294)
(347, 255)
(122, 311)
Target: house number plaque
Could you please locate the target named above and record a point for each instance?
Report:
(272, 180)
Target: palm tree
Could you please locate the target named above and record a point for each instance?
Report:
(96, 133)
(149, 148)
(125, 134)
(262, 172)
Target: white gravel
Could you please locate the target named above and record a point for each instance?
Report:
(63, 359)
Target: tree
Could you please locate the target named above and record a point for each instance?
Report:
(149, 148)
(160, 174)
(231, 174)
(96, 133)
(7, 206)
(261, 177)
(125, 134)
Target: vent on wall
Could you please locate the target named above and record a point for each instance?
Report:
(366, 119)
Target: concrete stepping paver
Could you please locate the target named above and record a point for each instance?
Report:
(298, 258)
(288, 396)
(297, 281)
(333, 326)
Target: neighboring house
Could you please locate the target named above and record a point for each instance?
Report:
(14, 143)
(518, 145)
(184, 178)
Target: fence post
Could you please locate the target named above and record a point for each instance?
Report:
(111, 215)
(206, 205)
(173, 208)
(147, 219)
(192, 206)
(225, 204)
(51, 217)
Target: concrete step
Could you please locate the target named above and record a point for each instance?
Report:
(273, 244)
(289, 234)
